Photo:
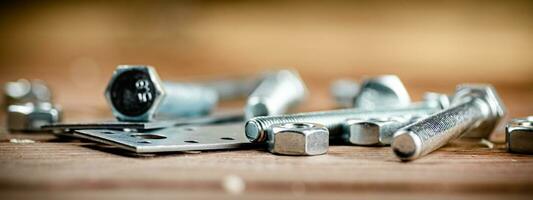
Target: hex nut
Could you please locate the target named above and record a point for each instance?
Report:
(488, 94)
(374, 131)
(30, 116)
(299, 139)
(134, 93)
(519, 135)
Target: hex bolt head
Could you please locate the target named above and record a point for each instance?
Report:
(474, 112)
(277, 93)
(299, 139)
(489, 95)
(134, 92)
(344, 92)
(519, 135)
(382, 91)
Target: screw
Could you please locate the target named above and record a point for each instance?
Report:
(519, 135)
(135, 93)
(276, 94)
(304, 139)
(474, 112)
(256, 128)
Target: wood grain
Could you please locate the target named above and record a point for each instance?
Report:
(465, 169)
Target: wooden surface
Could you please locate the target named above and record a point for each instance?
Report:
(465, 169)
(433, 46)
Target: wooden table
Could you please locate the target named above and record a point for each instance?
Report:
(53, 168)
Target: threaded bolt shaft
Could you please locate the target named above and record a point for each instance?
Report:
(257, 128)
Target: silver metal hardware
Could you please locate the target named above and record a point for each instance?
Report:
(31, 116)
(257, 128)
(382, 91)
(29, 105)
(344, 92)
(135, 93)
(474, 112)
(375, 131)
(519, 135)
(276, 94)
(119, 125)
(379, 132)
(303, 139)
(24, 91)
(179, 138)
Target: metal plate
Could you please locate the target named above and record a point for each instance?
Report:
(182, 138)
(120, 125)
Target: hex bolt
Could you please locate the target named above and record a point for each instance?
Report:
(519, 135)
(135, 93)
(382, 91)
(256, 129)
(299, 139)
(344, 92)
(277, 93)
(475, 111)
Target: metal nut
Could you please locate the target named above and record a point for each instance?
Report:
(519, 135)
(374, 131)
(299, 139)
(30, 116)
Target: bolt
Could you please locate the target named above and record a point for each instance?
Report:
(256, 128)
(31, 116)
(519, 135)
(136, 93)
(382, 91)
(306, 139)
(344, 92)
(276, 94)
(475, 111)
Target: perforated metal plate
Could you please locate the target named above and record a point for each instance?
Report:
(119, 125)
(181, 138)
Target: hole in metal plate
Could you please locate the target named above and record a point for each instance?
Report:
(189, 129)
(227, 138)
(191, 141)
(148, 136)
(107, 132)
(143, 142)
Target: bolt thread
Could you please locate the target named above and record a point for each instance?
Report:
(333, 120)
(438, 129)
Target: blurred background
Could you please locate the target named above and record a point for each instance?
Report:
(76, 45)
